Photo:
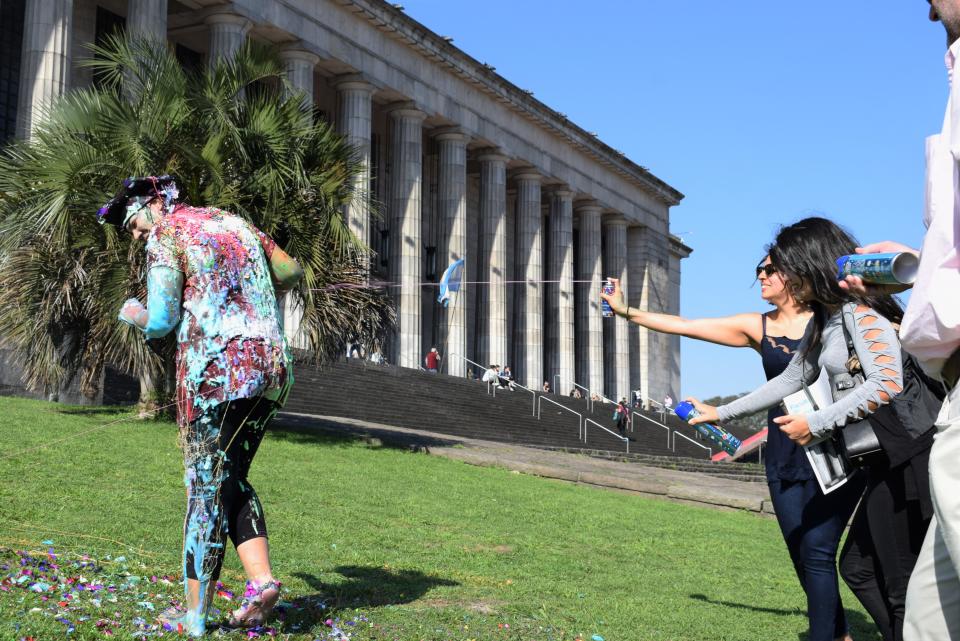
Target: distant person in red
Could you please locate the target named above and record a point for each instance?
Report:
(432, 360)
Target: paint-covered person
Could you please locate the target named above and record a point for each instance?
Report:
(213, 278)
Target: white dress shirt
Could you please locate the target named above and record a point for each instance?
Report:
(931, 325)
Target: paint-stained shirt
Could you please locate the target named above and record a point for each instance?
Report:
(230, 343)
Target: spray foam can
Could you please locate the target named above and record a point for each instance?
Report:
(605, 309)
(727, 441)
(880, 269)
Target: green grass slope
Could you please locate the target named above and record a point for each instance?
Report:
(373, 543)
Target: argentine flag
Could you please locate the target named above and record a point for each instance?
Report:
(450, 281)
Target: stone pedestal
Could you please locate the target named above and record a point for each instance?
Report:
(147, 18)
(493, 302)
(354, 124)
(452, 203)
(530, 271)
(45, 63)
(406, 253)
(560, 295)
(228, 32)
(590, 337)
(616, 338)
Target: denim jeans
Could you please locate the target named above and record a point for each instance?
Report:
(812, 524)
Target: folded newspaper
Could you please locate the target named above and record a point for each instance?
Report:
(829, 466)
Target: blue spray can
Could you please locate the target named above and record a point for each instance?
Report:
(727, 441)
(605, 310)
(899, 268)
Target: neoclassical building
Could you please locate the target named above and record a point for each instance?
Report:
(465, 164)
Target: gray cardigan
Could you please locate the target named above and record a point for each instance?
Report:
(832, 355)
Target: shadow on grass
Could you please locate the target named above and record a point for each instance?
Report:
(749, 606)
(363, 587)
(94, 410)
(861, 627)
(306, 429)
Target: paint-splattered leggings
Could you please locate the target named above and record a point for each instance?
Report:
(218, 449)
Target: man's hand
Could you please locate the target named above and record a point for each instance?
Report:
(855, 284)
(133, 313)
(615, 300)
(708, 413)
(796, 428)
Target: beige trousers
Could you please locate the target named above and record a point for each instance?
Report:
(933, 597)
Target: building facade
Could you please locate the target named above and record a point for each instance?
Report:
(464, 164)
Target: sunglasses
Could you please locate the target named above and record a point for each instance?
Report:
(769, 269)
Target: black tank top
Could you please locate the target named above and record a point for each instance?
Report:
(785, 460)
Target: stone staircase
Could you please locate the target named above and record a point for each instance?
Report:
(460, 407)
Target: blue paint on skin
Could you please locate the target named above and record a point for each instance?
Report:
(164, 298)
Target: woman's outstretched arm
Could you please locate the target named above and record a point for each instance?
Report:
(739, 330)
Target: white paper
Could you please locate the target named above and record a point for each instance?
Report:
(829, 467)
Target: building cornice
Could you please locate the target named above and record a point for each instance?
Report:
(396, 24)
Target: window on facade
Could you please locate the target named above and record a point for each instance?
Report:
(11, 44)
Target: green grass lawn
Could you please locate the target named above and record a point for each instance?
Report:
(382, 543)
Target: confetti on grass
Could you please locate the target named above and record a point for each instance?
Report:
(101, 598)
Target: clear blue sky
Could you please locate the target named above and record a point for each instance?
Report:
(760, 112)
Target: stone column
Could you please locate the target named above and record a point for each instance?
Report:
(590, 339)
(636, 268)
(560, 295)
(228, 32)
(530, 271)
(45, 62)
(654, 347)
(406, 253)
(617, 343)
(299, 65)
(147, 18)
(354, 123)
(493, 231)
(452, 204)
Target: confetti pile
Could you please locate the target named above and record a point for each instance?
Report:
(103, 598)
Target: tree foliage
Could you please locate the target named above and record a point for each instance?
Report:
(238, 137)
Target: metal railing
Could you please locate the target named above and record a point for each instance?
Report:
(491, 388)
(683, 436)
(650, 420)
(563, 407)
(533, 405)
(588, 397)
(612, 433)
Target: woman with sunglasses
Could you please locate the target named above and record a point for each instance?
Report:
(888, 530)
(810, 522)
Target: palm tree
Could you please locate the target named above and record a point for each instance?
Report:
(238, 137)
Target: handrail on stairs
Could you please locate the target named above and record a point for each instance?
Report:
(612, 433)
(490, 387)
(658, 424)
(588, 397)
(684, 436)
(563, 407)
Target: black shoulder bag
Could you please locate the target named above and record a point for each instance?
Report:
(857, 440)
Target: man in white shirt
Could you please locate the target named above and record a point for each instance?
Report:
(931, 332)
